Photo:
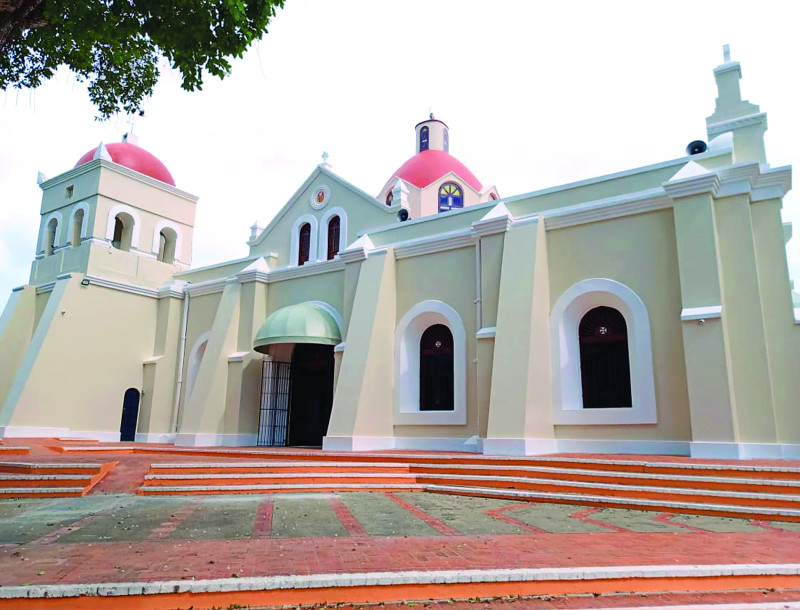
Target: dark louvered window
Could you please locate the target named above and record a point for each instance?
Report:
(605, 366)
(304, 244)
(436, 369)
(333, 236)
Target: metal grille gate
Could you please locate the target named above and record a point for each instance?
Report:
(273, 421)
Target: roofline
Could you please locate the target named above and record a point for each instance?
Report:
(320, 169)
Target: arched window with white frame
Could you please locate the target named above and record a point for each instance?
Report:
(600, 342)
(123, 227)
(51, 234)
(77, 228)
(332, 234)
(431, 366)
(167, 240)
(303, 247)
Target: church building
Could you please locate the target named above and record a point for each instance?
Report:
(648, 311)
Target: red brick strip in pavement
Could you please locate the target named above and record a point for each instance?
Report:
(179, 559)
(440, 527)
(351, 524)
(262, 524)
(583, 515)
(666, 519)
(171, 524)
(499, 513)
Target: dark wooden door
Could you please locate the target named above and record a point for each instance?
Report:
(130, 415)
(311, 394)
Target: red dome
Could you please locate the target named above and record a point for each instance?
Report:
(135, 158)
(430, 165)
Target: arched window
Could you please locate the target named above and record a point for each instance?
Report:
(605, 366)
(166, 249)
(123, 231)
(50, 238)
(334, 225)
(450, 197)
(423, 138)
(436, 369)
(389, 198)
(77, 225)
(304, 244)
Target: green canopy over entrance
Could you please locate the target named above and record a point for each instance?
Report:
(302, 323)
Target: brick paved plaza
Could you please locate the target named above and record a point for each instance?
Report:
(113, 535)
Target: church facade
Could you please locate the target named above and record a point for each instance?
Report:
(648, 311)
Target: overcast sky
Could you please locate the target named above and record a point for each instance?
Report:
(535, 94)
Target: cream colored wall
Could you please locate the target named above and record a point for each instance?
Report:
(397, 232)
(638, 251)
(447, 277)
(742, 322)
(560, 197)
(363, 401)
(429, 196)
(87, 350)
(16, 328)
(782, 334)
(327, 287)
(713, 418)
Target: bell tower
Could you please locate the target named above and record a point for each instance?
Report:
(118, 215)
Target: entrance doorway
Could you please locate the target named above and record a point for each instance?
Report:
(297, 397)
(312, 394)
(130, 415)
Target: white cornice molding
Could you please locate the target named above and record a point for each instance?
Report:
(103, 282)
(174, 289)
(309, 269)
(119, 169)
(714, 129)
(487, 332)
(695, 185)
(358, 250)
(439, 242)
(207, 287)
(498, 220)
(772, 184)
(606, 209)
(710, 312)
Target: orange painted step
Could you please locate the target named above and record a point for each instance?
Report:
(203, 469)
(267, 480)
(611, 504)
(157, 491)
(662, 494)
(618, 479)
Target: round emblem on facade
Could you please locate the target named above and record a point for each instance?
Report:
(320, 197)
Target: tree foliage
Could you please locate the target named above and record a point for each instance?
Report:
(115, 45)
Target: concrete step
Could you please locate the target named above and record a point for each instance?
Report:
(335, 480)
(686, 480)
(42, 492)
(53, 480)
(51, 468)
(152, 480)
(269, 489)
(720, 510)
(44, 480)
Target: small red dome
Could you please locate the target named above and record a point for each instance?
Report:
(430, 165)
(135, 158)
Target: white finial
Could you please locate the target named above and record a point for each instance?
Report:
(325, 156)
(726, 53)
(430, 112)
(40, 178)
(254, 229)
(102, 153)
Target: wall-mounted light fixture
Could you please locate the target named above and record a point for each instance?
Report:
(85, 281)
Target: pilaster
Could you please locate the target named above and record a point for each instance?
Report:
(520, 407)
